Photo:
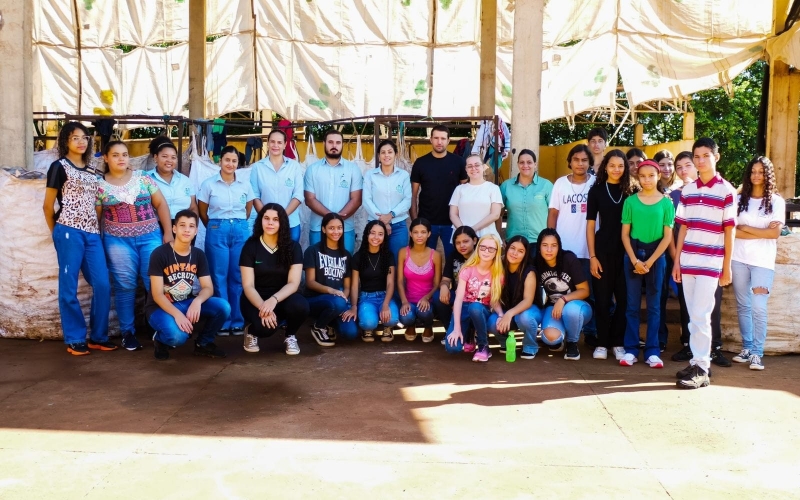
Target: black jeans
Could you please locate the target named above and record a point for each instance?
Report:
(716, 316)
(293, 309)
(610, 327)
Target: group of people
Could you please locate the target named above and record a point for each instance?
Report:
(578, 255)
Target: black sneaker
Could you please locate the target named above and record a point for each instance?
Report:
(557, 348)
(527, 355)
(684, 354)
(695, 379)
(161, 351)
(686, 371)
(78, 349)
(572, 354)
(321, 336)
(211, 350)
(719, 359)
(662, 346)
(130, 342)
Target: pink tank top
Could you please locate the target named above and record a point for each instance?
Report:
(419, 279)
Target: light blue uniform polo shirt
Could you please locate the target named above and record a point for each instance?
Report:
(178, 192)
(279, 187)
(387, 193)
(226, 201)
(527, 206)
(332, 187)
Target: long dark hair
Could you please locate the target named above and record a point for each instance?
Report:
(540, 263)
(510, 297)
(602, 175)
(419, 221)
(770, 185)
(63, 141)
(326, 219)
(285, 243)
(469, 232)
(384, 254)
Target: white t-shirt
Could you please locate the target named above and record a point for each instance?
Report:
(760, 252)
(474, 203)
(570, 201)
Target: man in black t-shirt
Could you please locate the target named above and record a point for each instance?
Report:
(438, 173)
(172, 309)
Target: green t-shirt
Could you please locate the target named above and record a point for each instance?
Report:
(648, 221)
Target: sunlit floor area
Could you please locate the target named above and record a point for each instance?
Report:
(388, 420)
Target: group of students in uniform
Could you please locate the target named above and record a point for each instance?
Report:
(578, 255)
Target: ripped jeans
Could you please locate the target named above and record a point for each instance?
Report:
(751, 307)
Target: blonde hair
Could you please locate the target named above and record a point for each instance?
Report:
(497, 270)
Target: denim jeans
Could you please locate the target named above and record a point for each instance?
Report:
(349, 237)
(369, 309)
(590, 328)
(327, 310)
(77, 251)
(128, 259)
(654, 281)
(414, 315)
(663, 331)
(295, 232)
(752, 307)
(444, 232)
(528, 321)
(399, 237)
(574, 315)
(224, 241)
(214, 311)
(477, 315)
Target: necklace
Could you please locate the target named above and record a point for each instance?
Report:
(375, 265)
(175, 256)
(572, 185)
(616, 202)
(269, 248)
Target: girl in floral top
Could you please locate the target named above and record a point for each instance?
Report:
(72, 182)
(131, 207)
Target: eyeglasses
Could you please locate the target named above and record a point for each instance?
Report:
(484, 248)
(79, 138)
(474, 166)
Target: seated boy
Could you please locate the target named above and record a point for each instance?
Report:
(172, 309)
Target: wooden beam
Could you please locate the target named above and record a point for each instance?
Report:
(638, 135)
(526, 104)
(16, 75)
(782, 116)
(488, 56)
(197, 58)
(688, 126)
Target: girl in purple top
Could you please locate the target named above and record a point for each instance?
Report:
(418, 277)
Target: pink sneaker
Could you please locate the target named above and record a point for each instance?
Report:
(482, 355)
(470, 347)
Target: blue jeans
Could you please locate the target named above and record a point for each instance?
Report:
(574, 315)
(349, 237)
(128, 259)
(475, 314)
(590, 328)
(295, 232)
(414, 314)
(751, 308)
(446, 234)
(654, 281)
(224, 241)
(399, 237)
(214, 311)
(369, 309)
(77, 251)
(327, 310)
(527, 321)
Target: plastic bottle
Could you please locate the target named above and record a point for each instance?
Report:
(511, 348)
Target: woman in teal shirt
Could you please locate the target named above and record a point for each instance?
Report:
(526, 199)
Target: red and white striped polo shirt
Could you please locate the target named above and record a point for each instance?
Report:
(706, 210)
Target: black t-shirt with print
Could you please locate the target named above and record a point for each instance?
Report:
(372, 277)
(331, 266)
(438, 178)
(608, 238)
(558, 284)
(511, 295)
(180, 272)
(452, 265)
(269, 275)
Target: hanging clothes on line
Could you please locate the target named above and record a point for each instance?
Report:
(485, 142)
(220, 137)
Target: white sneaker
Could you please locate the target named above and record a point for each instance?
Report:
(743, 356)
(600, 353)
(250, 341)
(619, 352)
(755, 362)
(655, 362)
(291, 345)
(628, 360)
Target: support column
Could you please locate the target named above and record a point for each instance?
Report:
(688, 126)
(782, 116)
(638, 135)
(197, 59)
(16, 97)
(488, 56)
(526, 103)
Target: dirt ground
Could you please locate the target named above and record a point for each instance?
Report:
(387, 420)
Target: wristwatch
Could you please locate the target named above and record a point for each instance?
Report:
(393, 214)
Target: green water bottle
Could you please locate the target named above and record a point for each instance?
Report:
(511, 347)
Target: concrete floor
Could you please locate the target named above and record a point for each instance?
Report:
(398, 420)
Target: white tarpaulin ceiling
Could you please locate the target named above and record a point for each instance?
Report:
(325, 59)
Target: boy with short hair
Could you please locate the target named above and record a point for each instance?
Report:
(172, 309)
(707, 215)
(597, 139)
